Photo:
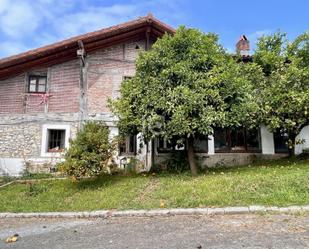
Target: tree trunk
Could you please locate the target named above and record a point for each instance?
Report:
(191, 158)
(291, 144)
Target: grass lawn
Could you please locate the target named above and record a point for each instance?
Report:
(280, 183)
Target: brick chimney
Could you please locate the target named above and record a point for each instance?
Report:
(243, 46)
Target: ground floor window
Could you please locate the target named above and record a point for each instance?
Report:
(237, 140)
(281, 141)
(201, 144)
(56, 140)
(128, 145)
(165, 146)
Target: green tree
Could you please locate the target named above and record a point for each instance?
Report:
(284, 93)
(184, 87)
(90, 152)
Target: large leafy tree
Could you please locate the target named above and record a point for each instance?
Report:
(285, 92)
(184, 87)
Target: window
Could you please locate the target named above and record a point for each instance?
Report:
(128, 145)
(37, 84)
(237, 140)
(165, 146)
(201, 144)
(56, 140)
(281, 141)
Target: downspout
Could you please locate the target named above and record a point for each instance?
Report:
(81, 54)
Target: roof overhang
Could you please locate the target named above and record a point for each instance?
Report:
(66, 50)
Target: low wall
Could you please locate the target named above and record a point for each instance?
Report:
(225, 159)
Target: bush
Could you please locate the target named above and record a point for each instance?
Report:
(177, 162)
(90, 152)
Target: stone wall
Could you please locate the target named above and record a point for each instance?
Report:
(224, 159)
(21, 141)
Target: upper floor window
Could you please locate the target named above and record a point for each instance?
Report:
(37, 84)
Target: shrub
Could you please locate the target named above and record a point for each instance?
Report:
(177, 162)
(90, 152)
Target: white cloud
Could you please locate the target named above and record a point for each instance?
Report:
(3, 5)
(11, 47)
(16, 20)
(92, 19)
(253, 37)
(257, 34)
(31, 23)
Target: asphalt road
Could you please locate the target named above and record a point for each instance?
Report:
(219, 231)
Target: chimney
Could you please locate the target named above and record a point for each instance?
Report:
(243, 46)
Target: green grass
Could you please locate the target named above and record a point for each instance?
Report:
(280, 183)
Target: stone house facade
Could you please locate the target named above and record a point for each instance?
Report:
(47, 93)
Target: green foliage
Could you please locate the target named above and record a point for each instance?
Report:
(90, 152)
(176, 163)
(284, 93)
(184, 86)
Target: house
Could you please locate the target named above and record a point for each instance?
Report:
(47, 93)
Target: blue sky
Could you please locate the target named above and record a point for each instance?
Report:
(27, 24)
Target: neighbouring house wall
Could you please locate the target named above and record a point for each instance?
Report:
(267, 141)
(304, 134)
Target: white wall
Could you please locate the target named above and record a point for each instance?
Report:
(304, 134)
(267, 137)
(211, 145)
(11, 166)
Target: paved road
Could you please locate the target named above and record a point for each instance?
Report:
(229, 231)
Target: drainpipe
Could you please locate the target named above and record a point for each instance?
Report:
(81, 54)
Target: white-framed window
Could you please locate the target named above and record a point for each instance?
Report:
(55, 139)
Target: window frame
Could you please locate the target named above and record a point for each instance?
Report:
(44, 142)
(171, 147)
(126, 142)
(37, 78)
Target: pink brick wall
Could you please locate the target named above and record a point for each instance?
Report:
(64, 87)
(106, 70)
(11, 95)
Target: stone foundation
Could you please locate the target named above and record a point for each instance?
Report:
(21, 141)
(225, 159)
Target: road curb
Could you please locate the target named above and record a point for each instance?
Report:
(158, 212)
